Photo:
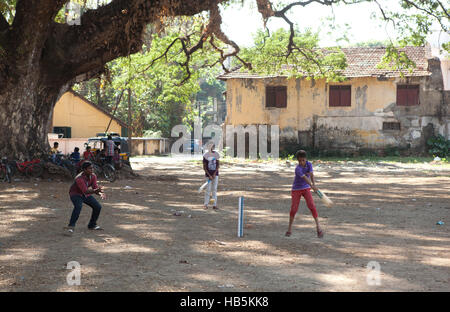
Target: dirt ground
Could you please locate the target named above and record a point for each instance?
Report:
(386, 213)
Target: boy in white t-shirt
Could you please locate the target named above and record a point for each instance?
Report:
(211, 168)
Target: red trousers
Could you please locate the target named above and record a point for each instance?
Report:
(296, 195)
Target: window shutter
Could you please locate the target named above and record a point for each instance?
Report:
(391, 125)
(402, 95)
(281, 96)
(65, 131)
(276, 96)
(334, 96)
(413, 95)
(270, 97)
(346, 96)
(407, 95)
(340, 96)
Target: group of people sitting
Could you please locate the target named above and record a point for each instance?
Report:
(77, 160)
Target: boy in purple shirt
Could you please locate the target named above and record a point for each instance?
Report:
(303, 182)
(80, 192)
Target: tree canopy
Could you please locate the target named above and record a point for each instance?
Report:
(269, 56)
(44, 51)
(162, 96)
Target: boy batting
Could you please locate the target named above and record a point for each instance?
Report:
(303, 183)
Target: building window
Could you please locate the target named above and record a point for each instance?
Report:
(407, 95)
(65, 131)
(276, 96)
(391, 125)
(340, 96)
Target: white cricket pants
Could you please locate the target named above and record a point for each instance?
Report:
(212, 186)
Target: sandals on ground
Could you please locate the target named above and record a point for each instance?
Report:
(68, 231)
(95, 228)
(320, 234)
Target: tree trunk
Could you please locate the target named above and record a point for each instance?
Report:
(26, 99)
(40, 59)
(25, 117)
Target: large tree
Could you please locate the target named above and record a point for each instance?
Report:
(40, 58)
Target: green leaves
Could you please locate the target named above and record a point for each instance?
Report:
(395, 59)
(159, 101)
(8, 9)
(439, 146)
(155, 84)
(270, 56)
(414, 20)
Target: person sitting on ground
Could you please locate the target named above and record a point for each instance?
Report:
(75, 156)
(100, 156)
(117, 160)
(88, 155)
(55, 153)
(54, 149)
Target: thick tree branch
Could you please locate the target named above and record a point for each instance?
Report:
(210, 31)
(32, 16)
(266, 10)
(111, 31)
(29, 30)
(303, 4)
(214, 28)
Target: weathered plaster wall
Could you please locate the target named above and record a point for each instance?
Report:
(308, 119)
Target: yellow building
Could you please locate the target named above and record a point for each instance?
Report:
(373, 109)
(74, 116)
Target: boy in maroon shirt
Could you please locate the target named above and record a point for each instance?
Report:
(80, 192)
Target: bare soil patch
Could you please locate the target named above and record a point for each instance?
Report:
(386, 213)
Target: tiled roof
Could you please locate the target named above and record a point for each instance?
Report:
(362, 62)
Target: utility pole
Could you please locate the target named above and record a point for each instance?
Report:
(215, 109)
(130, 145)
(97, 91)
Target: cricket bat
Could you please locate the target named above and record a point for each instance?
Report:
(203, 186)
(324, 198)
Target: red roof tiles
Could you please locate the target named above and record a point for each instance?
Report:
(362, 62)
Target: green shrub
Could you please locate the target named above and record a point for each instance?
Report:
(391, 151)
(368, 152)
(438, 146)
